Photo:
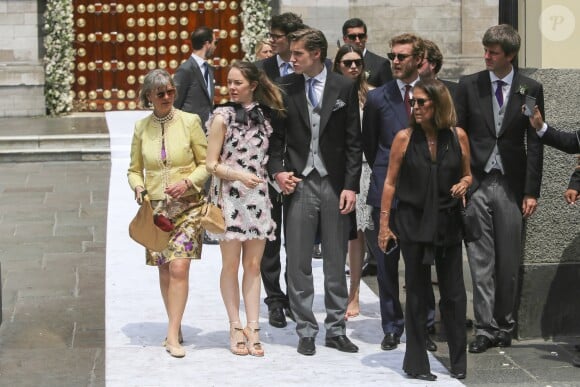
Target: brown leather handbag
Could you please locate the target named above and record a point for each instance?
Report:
(143, 230)
(212, 217)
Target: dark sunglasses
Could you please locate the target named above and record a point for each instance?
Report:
(274, 36)
(400, 57)
(349, 62)
(161, 94)
(354, 36)
(420, 101)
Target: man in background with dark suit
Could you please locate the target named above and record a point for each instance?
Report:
(316, 158)
(276, 67)
(194, 78)
(506, 163)
(378, 69)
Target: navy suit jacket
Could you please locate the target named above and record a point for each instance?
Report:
(340, 136)
(519, 146)
(384, 115)
(568, 142)
(192, 95)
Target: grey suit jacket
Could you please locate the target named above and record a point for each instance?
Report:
(192, 95)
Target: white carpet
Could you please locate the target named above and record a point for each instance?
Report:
(136, 320)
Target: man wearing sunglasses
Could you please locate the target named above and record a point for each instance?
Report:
(386, 112)
(194, 81)
(378, 69)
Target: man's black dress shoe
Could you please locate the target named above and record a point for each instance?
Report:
(457, 375)
(368, 269)
(503, 339)
(306, 346)
(429, 377)
(430, 345)
(342, 343)
(208, 241)
(276, 318)
(481, 344)
(576, 361)
(431, 330)
(390, 341)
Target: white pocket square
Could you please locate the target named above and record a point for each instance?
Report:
(339, 104)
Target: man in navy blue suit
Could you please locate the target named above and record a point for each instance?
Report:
(387, 111)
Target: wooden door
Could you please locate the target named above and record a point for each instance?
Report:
(118, 42)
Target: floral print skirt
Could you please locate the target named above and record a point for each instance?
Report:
(186, 238)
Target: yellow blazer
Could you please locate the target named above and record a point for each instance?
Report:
(185, 148)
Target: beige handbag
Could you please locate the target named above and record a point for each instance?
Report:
(212, 217)
(143, 230)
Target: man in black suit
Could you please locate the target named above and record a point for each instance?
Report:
(568, 142)
(378, 69)
(506, 163)
(316, 157)
(276, 67)
(194, 78)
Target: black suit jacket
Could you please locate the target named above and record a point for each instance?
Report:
(340, 137)
(519, 146)
(192, 95)
(451, 86)
(568, 142)
(378, 69)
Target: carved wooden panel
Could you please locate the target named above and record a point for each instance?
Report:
(118, 42)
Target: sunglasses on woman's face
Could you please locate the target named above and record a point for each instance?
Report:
(419, 101)
(349, 62)
(169, 92)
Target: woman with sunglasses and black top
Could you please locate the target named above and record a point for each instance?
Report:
(429, 174)
(349, 61)
(168, 162)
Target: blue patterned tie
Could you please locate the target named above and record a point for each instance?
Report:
(285, 68)
(499, 92)
(312, 92)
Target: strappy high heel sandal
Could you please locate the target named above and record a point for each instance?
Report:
(252, 335)
(237, 340)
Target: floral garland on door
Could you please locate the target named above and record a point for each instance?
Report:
(59, 57)
(255, 18)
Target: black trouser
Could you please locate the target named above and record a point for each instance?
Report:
(270, 266)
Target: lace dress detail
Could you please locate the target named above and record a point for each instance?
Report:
(246, 210)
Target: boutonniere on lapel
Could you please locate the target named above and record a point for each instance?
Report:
(367, 74)
(339, 104)
(522, 90)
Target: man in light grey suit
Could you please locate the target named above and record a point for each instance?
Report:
(316, 158)
(194, 78)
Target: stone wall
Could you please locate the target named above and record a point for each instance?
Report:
(21, 71)
(551, 264)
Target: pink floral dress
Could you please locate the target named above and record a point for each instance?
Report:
(246, 210)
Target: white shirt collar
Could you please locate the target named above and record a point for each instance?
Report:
(199, 60)
(508, 79)
(321, 77)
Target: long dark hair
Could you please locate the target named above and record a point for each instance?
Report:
(443, 109)
(361, 80)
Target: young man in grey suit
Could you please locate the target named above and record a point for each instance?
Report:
(194, 78)
(506, 163)
(378, 69)
(316, 158)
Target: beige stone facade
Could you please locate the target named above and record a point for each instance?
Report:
(21, 70)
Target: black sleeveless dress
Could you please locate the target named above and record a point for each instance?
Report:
(426, 211)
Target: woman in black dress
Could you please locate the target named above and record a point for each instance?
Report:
(429, 175)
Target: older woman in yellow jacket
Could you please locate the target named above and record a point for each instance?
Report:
(168, 162)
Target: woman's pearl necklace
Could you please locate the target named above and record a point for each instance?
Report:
(166, 119)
